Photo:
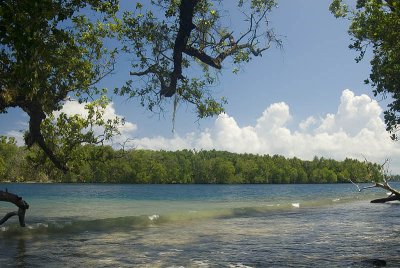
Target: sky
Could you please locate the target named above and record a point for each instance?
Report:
(303, 100)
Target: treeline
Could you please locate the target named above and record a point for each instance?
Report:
(105, 165)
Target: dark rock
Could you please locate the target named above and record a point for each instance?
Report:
(374, 263)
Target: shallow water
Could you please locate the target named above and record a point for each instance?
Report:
(86, 225)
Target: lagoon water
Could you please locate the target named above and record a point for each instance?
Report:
(102, 225)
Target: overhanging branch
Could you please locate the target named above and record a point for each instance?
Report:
(197, 45)
(202, 56)
(186, 13)
(36, 117)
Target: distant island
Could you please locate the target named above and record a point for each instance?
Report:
(103, 164)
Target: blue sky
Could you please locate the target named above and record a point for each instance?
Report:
(305, 99)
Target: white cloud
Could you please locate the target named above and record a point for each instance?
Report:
(306, 124)
(354, 114)
(18, 135)
(127, 129)
(355, 130)
(275, 116)
(73, 107)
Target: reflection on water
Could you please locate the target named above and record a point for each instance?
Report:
(13, 253)
(187, 233)
(20, 254)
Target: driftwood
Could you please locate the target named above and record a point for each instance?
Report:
(19, 202)
(394, 194)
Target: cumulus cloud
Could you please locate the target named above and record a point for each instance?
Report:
(354, 114)
(127, 129)
(18, 135)
(355, 130)
(73, 107)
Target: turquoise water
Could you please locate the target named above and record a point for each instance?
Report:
(97, 225)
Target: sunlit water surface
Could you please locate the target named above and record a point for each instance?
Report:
(86, 225)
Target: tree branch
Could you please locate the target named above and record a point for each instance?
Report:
(233, 46)
(394, 194)
(390, 5)
(36, 116)
(211, 53)
(386, 199)
(19, 202)
(203, 57)
(186, 13)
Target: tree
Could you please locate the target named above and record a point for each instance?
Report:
(19, 202)
(10, 156)
(223, 170)
(202, 168)
(394, 195)
(247, 169)
(376, 25)
(164, 46)
(50, 51)
(53, 50)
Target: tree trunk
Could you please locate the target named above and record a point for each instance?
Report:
(386, 199)
(395, 194)
(19, 202)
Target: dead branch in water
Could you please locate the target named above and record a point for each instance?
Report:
(394, 194)
(19, 202)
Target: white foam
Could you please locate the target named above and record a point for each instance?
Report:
(239, 265)
(45, 225)
(202, 264)
(154, 217)
(37, 225)
(296, 205)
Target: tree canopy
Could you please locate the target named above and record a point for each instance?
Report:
(376, 25)
(186, 166)
(50, 50)
(55, 50)
(179, 51)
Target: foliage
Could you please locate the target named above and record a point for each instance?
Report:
(12, 160)
(49, 51)
(106, 165)
(53, 50)
(376, 25)
(65, 133)
(179, 50)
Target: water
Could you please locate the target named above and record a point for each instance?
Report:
(93, 225)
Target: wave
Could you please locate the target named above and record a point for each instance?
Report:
(296, 205)
(78, 225)
(62, 226)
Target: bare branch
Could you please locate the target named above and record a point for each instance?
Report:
(394, 194)
(203, 57)
(364, 188)
(152, 69)
(19, 202)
